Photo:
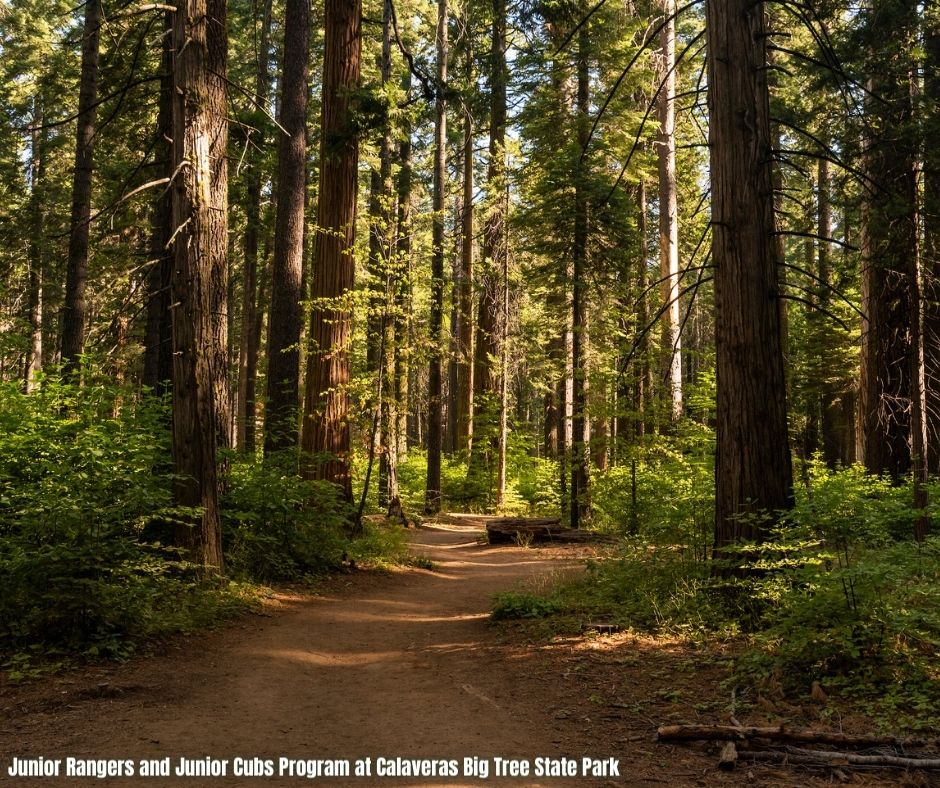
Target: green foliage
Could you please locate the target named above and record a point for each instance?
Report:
(517, 604)
(839, 593)
(78, 493)
(674, 492)
(85, 496)
(276, 526)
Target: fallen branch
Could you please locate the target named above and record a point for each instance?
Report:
(784, 734)
(798, 756)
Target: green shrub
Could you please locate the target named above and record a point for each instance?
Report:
(276, 526)
(82, 479)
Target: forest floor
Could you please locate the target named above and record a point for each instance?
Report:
(396, 664)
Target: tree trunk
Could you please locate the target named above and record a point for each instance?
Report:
(668, 215)
(753, 471)
(579, 446)
(403, 342)
(380, 208)
(199, 236)
(73, 311)
(219, 349)
(465, 286)
(248, 346)
(643, 373)
(486, 355)
(158, 343)
(280, 423)
(931, 251)
(889, 256)
(36, 247)
(432, 498)
(380, 350)
(326, 402)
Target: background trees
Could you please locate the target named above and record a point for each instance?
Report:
(574, 159)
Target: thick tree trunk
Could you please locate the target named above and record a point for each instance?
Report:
(326, 402)
(280, 423)
(158, 342)
(486, 355)
(432, 497)
(199, 237)
(579, 446)
(753, 471)
(889, 258)
(248, 346)
(669, 215)
(218, 108)
(73, 310)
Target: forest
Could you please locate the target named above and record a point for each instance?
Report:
(280, 278)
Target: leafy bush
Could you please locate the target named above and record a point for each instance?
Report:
(840, 593)
(78, 492)
(276, 526)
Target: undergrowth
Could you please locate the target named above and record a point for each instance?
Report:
(86, 568)
(839, 594)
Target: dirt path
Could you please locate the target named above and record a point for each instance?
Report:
(383, 665)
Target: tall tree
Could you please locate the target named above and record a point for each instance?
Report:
(73, 312)
(280, 424)
(890, 292)
(485, 375)
(669, 212)
(465, 282)
(158, 339)
(250, 336)
(199, 242)
(381, 333)
(931, 251)
(579, 446)
(326, 400)
(35, 253)
(432, 499)
(753, 471)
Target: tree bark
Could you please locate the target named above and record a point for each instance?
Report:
(36, 247)
(380, 209)
(890, 297)
(432, 497)
(579, 447)
(248, 346)
(198, 239)
(465, 285)
(753, 471)
(669, 214)
(931, 214)
(486, 355)
(73, 311)
(280, 424)
(158, 343)
(326, 401)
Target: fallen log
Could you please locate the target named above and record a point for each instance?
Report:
(784, 734)
(506, 530)
(797, 755)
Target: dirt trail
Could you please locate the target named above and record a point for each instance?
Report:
(383, 665)
(391, 665)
